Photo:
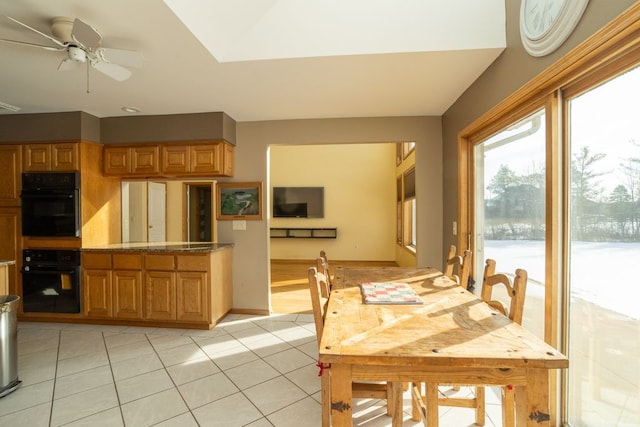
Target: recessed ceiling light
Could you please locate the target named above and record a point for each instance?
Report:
(131, 109)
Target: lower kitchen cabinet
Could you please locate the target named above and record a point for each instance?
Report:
(127, 294)
(180, 290)
(96, 291)
(160, 289)
(191, 296)
(11, 246)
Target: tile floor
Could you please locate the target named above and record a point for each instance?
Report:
(247, 371)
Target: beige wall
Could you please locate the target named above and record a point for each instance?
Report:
(252, 246)
(509, 72)
(359, 191)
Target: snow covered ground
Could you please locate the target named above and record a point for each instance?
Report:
(602, 273)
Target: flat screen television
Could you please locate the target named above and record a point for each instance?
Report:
(298, 202)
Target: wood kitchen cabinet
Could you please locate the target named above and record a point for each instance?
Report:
(4, 278)
(183, 289)
(112, 285)
(96, 285)
(142, 160)
(126, 284)
(160, 289)
(11, 246)
(96, 291)
(197, 159)
(177, 295)
(51, 157)
(11, 168)
(179, 159)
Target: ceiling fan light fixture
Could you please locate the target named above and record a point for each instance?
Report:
(77, 55)
(131, 110)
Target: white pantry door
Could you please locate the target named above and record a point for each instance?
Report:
(157, 212)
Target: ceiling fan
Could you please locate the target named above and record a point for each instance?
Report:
(82, 44)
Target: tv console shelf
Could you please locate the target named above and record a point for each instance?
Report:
(304, 233)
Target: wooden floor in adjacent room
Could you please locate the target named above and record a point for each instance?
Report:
(290, 286)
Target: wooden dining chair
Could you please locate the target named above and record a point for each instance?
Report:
(391, 392)
(458, 267)
(515, 291)
(322, 264)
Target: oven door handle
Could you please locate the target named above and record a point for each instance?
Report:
(48, 271)
(54, 195)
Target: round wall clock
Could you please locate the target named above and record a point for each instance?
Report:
(546, 24)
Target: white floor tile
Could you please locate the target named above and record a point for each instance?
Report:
(232, 411)
(251, 373)
(206, 390)
(233, 357)
(35, 416)
(163, 342)
(81, 363)
(306, 378)
(131, 351)
(303, 413)
(288, 360)
(154, 409)
(109, 418)
(190, 371)
(263, 396)
(26, 396)
(82, 381)
(120, 339)
(182, 354)
(143, 385)
(37, 367)
(131, 367)
(75, 407)
(182, 420)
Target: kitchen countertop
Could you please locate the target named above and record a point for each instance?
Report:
(4, 262)
(190, 247)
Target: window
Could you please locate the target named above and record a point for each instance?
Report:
(604, 228)
(509, 208)
(399, 210)
(409, 209)
(588, 140)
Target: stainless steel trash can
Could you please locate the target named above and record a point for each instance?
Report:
(9, 344)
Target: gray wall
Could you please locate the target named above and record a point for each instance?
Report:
(74, 125)
(508, 73)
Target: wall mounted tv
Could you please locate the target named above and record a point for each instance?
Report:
(298, 202)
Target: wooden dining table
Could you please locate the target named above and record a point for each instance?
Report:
(451, 337)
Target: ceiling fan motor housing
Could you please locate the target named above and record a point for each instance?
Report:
(61, 28)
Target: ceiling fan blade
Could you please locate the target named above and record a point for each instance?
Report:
(47, 36)
(66, 65)
(41, 46)
(128, 58)
(114, 71)
(85, 34)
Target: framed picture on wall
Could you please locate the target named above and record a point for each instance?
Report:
(239, 200)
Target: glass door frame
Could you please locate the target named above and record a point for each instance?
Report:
(619, 38)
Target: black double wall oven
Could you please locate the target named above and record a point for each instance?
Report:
(51, 208)
(51, 204)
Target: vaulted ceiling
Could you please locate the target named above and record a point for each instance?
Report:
(257, 60)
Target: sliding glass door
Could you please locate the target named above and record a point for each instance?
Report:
(604, 252)
(509, 208)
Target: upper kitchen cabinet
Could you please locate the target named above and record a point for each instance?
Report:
(203, 159)
(11, 168)
(125, 160)
(171, 159)
(50, 157)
